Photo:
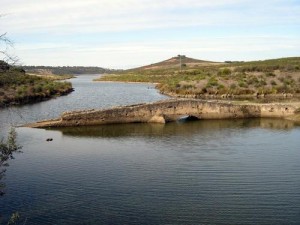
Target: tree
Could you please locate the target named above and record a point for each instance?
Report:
(7, 150)
(7, 147)
(5, 45)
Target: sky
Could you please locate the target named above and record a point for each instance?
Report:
(121, 34)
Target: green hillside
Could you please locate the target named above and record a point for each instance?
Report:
(204, 79)
(16, 87)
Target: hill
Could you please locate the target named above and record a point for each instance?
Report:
(175, 62)
(276, 78)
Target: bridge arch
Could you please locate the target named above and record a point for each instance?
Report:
(187, 118)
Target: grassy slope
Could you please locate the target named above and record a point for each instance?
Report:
(201, 78)
(18, 88)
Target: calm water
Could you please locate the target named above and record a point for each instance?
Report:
(87, 95)
(203, 172)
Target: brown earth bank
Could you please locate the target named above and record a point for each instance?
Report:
(172, 110)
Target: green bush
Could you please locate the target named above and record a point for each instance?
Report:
(226, 71)
(242, 84)
(270, 74)
(273, 82)
(212, 82)
(233, 86)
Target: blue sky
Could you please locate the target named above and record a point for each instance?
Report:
(130, 33)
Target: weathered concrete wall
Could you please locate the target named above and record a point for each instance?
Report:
(169, 110)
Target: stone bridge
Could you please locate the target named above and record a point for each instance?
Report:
(170, 110)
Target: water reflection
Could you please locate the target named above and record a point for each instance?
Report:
(173, 129)
(178, 173)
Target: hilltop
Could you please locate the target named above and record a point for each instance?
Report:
(175, 62)
(276, 78)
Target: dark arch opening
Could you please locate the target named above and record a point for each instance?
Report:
(187, 118)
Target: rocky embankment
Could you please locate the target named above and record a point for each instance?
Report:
(172, 110)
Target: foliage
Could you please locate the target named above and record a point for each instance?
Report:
(16, 87)
(7, 149)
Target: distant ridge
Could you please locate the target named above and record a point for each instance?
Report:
(175, 62)
(60, 70)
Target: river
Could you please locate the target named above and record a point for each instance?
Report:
(200, 172)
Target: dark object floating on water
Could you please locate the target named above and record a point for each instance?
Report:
(49, 139)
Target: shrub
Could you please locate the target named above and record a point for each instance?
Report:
(281, 79)
(221, 86)
(212, 82)
(273, 82)
(270, 74)
(242, 84)
(225, 71)
(233, 86)
(263, 82)
(38, 88)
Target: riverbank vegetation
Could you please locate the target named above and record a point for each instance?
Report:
(16, 87)
(184, 77)
(63, 70)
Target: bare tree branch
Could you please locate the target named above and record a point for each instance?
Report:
(5, 39)
(5, 45)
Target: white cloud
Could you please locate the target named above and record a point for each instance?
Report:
(49, 24)
(118, 15)
(132, 54)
